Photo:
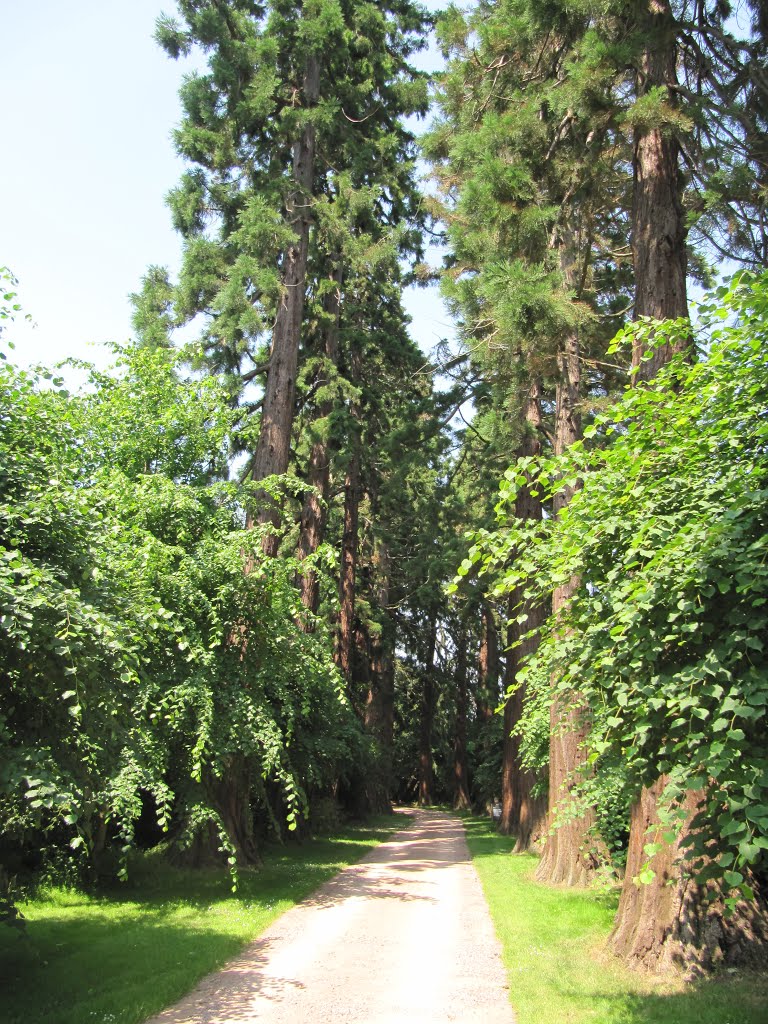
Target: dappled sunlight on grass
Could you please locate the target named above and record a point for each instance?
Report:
(124, 953)
(554, 951)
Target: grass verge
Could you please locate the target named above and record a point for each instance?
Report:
(119, 956)
(553, 940)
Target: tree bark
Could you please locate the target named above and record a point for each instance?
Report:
(380, 705)
(348, 569)
(650, 918)
(568, 857)
(461, 800)
(314, 512)
(379, 722)
(668, 925)
(658, 219)
(521, 813)
(426, 719)
(488, 666)
(230, 795)
(274, 446)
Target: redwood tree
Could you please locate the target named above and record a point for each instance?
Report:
(526, 152)
(300, 107)
(301, 104)
(522, 813)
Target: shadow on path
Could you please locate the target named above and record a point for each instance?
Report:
(403, 935)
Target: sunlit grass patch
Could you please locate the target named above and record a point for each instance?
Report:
(554, 952)
(119, 956)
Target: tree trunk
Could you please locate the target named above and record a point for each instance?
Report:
(521, 813)
(650, 918)
(568, 857)
(658, 219)
(426, 718)
(274, 445)
(312, 524)
(379, 722)
(668, 924)
(230, 795)
(383, 727)
(488, 666)
(387, 685)
(348, 569)
(461, 800)
(314, 512)
(380, 706)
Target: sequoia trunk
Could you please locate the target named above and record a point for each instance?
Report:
(314, 512)
(426, 718)
(380, 705)
(274, 445)
(668, 924)
(521, 813)
(488, 666)
(230, 795)
(658, 219)
(649, 920)
(348, 569)
(461, 801)
(567, 857)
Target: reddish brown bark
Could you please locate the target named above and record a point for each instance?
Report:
(461, 800)
(522, 814)
(568, 857)
(274, 445)
(348, 569)
(658, 219)
(488, 666)
(312, 524)
(380, 705)
(426, 719)
(667, 924)
(314, 512)
(649, 921)
(571, 855)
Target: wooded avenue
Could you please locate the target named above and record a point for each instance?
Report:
(279, 576)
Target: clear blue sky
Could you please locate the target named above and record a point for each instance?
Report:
(89, 103)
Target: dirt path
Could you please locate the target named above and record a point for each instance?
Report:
(402, 936)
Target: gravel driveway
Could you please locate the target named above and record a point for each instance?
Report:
(402, 936)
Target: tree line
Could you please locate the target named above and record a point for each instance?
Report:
(227, 572)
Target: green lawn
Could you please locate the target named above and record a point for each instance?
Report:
(553, 940)
(117, 957)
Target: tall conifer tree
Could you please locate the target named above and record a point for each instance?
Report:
(526, 151)
(666, 93)
(688, 75)
(300, 102)
(295, 122)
